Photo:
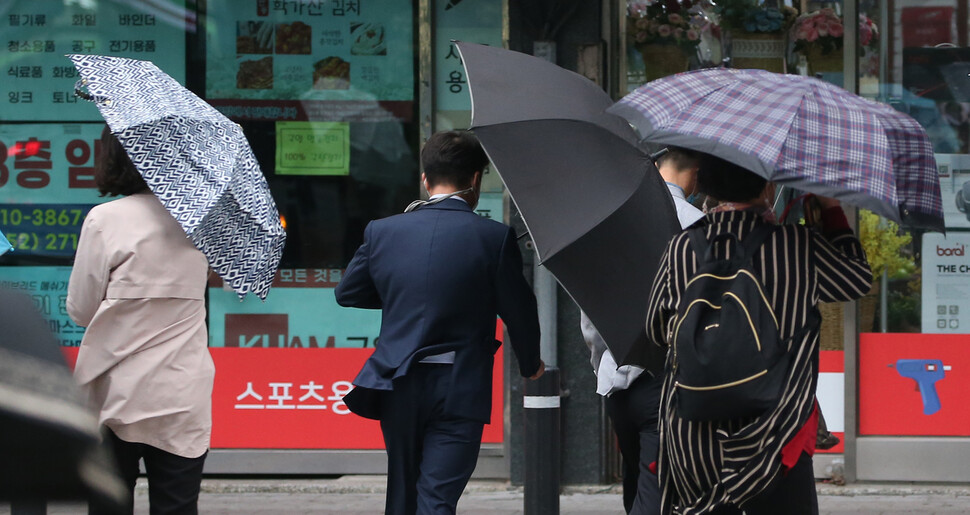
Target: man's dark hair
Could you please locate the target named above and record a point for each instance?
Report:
(452, 157)
(728, 182)
(114, 173)
(681, 158)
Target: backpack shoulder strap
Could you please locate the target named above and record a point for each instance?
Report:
(755, 239)
(699, 243)
(704, 248)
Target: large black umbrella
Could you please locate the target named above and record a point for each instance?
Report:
(597, 210)
(49, 439)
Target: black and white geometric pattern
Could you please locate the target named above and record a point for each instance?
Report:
(197, 162)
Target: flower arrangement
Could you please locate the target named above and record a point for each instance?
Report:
(868, 32)
(754, 16)
(823, 29)
(665, 22)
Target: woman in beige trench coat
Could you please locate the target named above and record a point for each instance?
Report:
(138, 285)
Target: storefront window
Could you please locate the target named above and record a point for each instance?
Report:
(663, 38)
(917, 61)
(327, 93)
(923, 75)
(49, 137)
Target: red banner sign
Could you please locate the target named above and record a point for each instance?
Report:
(291, 398)
(914, 384)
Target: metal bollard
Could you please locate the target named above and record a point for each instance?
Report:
(542, 444)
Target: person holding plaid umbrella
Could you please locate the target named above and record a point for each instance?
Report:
(760, 464)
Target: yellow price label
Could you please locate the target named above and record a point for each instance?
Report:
(312, 148)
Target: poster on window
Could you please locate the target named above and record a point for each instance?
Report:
(946, 283)
(471, 22)
(328, 60)
(299, 312)
(46, 286)
(38, 80)
(47, 185)
(913, 384)
(954, 171)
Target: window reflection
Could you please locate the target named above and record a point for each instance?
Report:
(326, 215)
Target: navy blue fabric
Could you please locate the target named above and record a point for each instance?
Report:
(440, 275)
(635, 413)
(430, 455)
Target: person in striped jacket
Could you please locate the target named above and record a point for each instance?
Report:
(760, 465)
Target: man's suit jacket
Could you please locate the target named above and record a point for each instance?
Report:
(441, 274)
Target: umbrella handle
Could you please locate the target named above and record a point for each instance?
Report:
(87, 96)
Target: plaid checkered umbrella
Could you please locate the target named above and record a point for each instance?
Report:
(196, 161)
(798, 131)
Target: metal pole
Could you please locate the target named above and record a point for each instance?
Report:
(543, 283)
(542, 440)
(542, 444)
(545, 287)
(884, 302)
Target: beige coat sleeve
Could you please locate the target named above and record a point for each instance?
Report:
(89, 278)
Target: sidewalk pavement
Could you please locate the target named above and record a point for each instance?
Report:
(359, 495)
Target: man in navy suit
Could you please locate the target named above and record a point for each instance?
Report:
(440, 274)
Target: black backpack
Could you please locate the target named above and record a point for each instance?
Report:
(727, 358)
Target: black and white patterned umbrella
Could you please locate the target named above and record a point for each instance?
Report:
(196, 161)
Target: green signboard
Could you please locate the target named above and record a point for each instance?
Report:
(312, 148)
(38, 80)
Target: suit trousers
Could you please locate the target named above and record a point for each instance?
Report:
(790, 492)
(635, 416)
(174, 482)
(430, 455)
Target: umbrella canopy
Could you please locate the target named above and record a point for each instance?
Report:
(798, 131)
(4, 244)
(597, 210)
(197, 162)
(50, 443)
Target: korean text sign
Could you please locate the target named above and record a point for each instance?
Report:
(310, 50)
(946, 283)
(300, 312)
(284, 366)
(474, 22)
(38, 80)
(47, 288)
(47, 185)
(312, 148)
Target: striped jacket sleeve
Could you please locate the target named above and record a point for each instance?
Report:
(840, 262)
(662, 308)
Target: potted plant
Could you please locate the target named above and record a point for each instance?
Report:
(756, 32)
(666, 33)
(884, 245)
(818, 36)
